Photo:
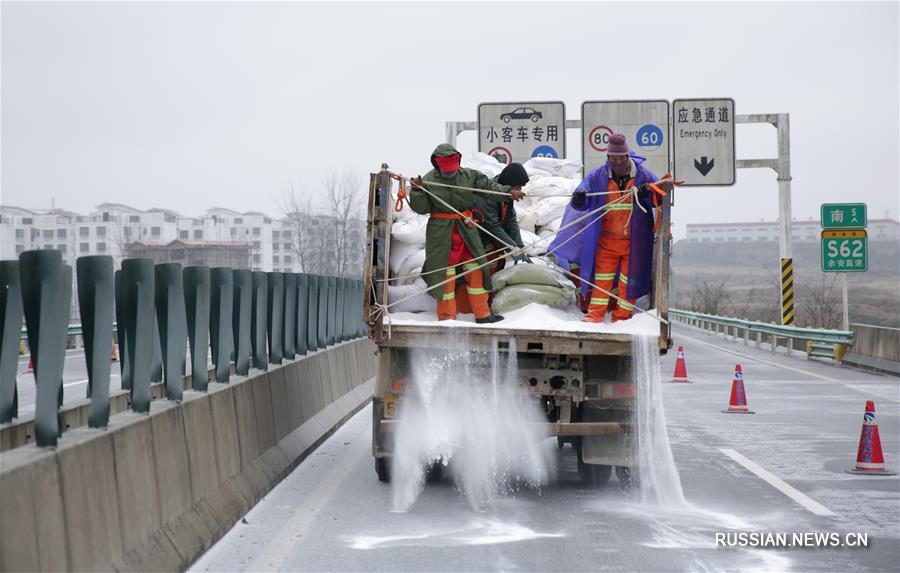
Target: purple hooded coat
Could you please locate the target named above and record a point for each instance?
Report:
(583, 249)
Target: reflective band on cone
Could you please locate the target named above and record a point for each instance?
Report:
(869, 457)
(738, 402)
(680, 368)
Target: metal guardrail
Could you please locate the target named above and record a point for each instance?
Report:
(819, 342)
(241, 317)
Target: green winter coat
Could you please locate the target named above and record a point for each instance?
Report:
(439, 232)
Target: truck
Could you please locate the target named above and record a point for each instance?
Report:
(583, 380)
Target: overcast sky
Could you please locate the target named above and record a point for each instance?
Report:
(189, 106)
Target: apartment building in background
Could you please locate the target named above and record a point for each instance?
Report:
(801, 231)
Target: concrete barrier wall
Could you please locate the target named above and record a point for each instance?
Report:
(153, 492)
(877, 341)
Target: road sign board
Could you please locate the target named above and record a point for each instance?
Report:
(518, 131)
(845, 251)
(703, 141)
(644, 123)
(843, 215)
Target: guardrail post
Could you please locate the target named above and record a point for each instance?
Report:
(774, 343)
(746, 336)
(10, 333)
(241, 314)
(172, 320)
(196, 300)
(323, 312)
(46, 317)
(138, 319)
(290, 315)
(340, 309)
(312, 322)
(275, 315)
(302, 313)
(95, 303)
(258, 320)
(221, 305)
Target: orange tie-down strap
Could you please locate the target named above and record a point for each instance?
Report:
(467, 217)
(401, 194)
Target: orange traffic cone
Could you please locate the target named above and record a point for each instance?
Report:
(869, 457)
(738, 402)
(30, 368)
(680, 368)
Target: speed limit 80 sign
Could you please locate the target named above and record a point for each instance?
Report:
(644, 123)
(845, 251)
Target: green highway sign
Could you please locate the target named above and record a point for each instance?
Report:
(844, 216)
(845, 251)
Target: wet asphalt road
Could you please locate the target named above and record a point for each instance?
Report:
(332, 514)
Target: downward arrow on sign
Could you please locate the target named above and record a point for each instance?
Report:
(703, 166)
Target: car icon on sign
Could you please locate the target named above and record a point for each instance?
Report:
(522, 113)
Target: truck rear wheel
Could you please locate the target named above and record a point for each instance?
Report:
(593, 475)
(383, 469)
(628, 477)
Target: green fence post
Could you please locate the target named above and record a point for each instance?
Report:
(275, 316)
(289, 338)
(361, 309)
(323, 312)
(221, 302)
(172, 319)
(196, 301)
(10, 332)
(258, 320)
(124, 369)
(156, 364)
(332, 310)
(95, 303)
(46, 317)
(302, 312)
(340, 311)
(137, 306)
(312, 314)
(241, 317)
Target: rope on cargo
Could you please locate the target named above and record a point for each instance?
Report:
(383, 308)
(632, 195)
(513, 248)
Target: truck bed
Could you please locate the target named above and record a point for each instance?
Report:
(536, 329)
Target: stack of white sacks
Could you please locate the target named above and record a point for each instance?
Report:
(550, 186)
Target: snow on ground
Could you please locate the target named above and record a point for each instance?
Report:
(537, 317)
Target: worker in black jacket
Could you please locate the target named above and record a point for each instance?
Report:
(500, 220)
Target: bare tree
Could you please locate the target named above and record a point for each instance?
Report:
(820, 303)
(708, 298)
(344, 194)
(296, 212)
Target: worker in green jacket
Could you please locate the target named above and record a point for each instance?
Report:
(451, 238)
(499, 219)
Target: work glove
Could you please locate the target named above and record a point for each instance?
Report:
(416, 181)
(579, 198)
(521, 258)
(643, 191)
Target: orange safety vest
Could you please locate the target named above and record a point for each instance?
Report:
(614, 224)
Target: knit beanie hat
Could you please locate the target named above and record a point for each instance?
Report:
(617, 145)
(513, 175)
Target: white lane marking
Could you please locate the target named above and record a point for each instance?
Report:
(273, 556)
(875, 392)
(776, 482)
(748, 357)
(85, 381)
